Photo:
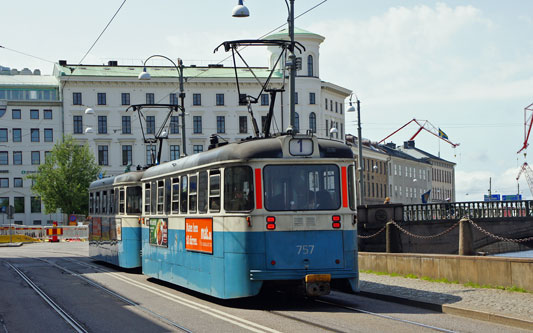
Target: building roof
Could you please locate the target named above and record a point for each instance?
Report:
(297, 32)
(425, 155)
(160, 71)
(19, 81)
(401, 154)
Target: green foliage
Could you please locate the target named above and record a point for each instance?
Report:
(63, 180)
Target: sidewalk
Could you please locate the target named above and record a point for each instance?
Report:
(494, 305)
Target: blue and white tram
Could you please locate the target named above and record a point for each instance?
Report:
(273, 211)
(115, 212)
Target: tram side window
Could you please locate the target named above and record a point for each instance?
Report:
(183, 196)
(202, 192)
(238, 189)
(351, 187)
(133, 199)
(116, 201)
(97, 203)
(91, 202)
(121, 202)
(111, 201)
(153, 199)
(214, 191)
(167, 196)
(104, 202)
(160, 196)
(175, 195)
(192, 193)
(147, 198)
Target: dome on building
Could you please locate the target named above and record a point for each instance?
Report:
(284, 33)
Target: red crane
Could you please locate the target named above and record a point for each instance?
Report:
(529, 175)
(427, 126)
(528, 123)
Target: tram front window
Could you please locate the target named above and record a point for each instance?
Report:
(301, 187)
(133, 200)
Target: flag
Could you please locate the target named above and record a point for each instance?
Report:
(425, 196)
(442, 134)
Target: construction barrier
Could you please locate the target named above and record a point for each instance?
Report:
(15, 233)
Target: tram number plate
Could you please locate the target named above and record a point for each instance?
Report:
(301, 147)
(305, 249)
(309, 278)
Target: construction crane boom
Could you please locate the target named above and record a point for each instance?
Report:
(528, 123)
(525, 169)
(424, 125)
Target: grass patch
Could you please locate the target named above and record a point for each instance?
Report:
(444, 280)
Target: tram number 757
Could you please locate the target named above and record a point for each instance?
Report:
(305, 249)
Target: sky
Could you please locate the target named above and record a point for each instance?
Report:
(465, 66)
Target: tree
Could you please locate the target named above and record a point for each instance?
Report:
(63, 180)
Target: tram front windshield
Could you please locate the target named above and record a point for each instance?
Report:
(302, 187)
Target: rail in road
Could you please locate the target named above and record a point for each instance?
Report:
(102, 298)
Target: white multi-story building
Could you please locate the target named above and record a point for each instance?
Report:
(30, 124)
(211, 104)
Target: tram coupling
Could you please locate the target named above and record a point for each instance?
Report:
(317, 284)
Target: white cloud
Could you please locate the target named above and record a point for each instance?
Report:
(472, 185)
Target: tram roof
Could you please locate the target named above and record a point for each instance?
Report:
(266, 148)
(129, 177)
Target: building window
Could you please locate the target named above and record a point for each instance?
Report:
(78, 125)
(198, 149)
(312, 98)
(34, 114)
(102, 124)
(312, 122)
(336, 107)
(19, 205)
(35, 204)
(326, 103)
(15, 114)
(127, 155)
(101, 98)
(221, 124)
(34, 135)
(243, 124)
(3, 134)
(3, 158)
(297, 121)
(150, 154)
(331, 104)
(150, 124)
(76, 98)
(150, 98)
(327, 128)
(220, 99)
(174, 152)
(103, 155)
(196, 99)
(35, 157)
(264, 99)
(340, 108)
(126, 124)
(48, 135)
(197, 124)
(295, 98)
(47, 156)
(125, 97)
(174, 125)
(4, 182)
(17, 182)
(173, 99)
(47, 114)
(310, 65)
(17, 158)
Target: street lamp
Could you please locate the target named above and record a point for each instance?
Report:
(359, 145)
(90, 112)
(144, 75)
(332, 131)
(242, 11)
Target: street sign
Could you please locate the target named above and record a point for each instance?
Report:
(493, 197)
(512, 197)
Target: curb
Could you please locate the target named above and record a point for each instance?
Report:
(454, 310)
(10, 244)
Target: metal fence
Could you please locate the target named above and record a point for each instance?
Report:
(479, 210)
(14, 233)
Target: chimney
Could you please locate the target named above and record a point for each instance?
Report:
(112, 63)
(409, 144)
(62, 63)
(390, 145)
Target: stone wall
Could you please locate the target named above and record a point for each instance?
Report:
(494, 271)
